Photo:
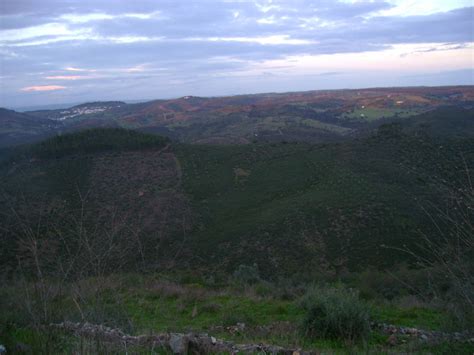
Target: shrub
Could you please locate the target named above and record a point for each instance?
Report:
(246, 274)
(288, 289)
(263, 289)
(335, 313)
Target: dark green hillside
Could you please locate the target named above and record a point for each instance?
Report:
(289, 207)
(294, 240)
(110, 181)
(96, 140)
(295, 207)
(444, 122)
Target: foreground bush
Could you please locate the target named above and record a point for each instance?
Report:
(335, 313)
(246, 274)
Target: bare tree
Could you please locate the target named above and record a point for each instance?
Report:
(448, 253)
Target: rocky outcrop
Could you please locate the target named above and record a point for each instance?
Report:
(202, 343)
(177, 343)
(431, 336)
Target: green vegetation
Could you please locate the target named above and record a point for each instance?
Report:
(445, 122)
(247, 274)
(370, 114)
(327, 126)
(335, 313)
(144, 304)
(320, 208)
(105, 226)
(292, 209)
(73, 191)
(425, 316)
(96, 140)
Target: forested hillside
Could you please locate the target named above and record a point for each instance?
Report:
(263, 231)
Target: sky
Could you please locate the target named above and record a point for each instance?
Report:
(69, 51)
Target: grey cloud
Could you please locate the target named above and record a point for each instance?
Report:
(58, 7)
(453, 26)
(20, 21)
(180, 20)
(337, 10)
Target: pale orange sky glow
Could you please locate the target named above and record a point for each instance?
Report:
(66, 77)
(43, 88)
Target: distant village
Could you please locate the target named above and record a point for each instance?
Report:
(86, 110)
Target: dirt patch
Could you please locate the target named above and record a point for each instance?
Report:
(241, 174)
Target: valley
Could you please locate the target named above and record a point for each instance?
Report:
(228, 215)
(237, 177)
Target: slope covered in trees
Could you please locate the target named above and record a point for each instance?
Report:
(138, 232)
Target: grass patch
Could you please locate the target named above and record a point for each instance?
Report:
(144, 304)
(326, 126)
(424, 318)
(370, 114)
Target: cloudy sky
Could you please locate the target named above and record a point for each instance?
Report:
(68, 51)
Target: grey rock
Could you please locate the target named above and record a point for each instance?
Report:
(179, 343)
(21, 348)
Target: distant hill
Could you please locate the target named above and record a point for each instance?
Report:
(312, 116)
(17, 128)
(78, 111)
